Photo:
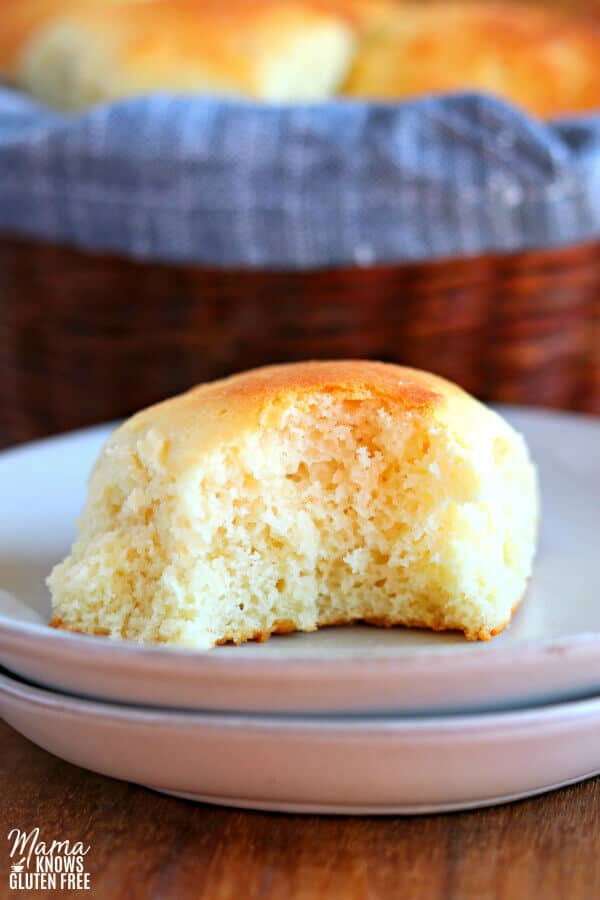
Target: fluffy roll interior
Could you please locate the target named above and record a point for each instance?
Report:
(331, 510)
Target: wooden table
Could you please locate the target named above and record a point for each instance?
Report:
(147, 846)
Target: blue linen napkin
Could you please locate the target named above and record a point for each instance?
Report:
(231, 183)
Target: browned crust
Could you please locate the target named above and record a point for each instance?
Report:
(352, 379)
(283, 626)
(286, 626)
(218, 413)
(482, 635)
(61, 625)
(230, 38)
(547, 56)
(19, 21)
(261, 637)
(405, 389)
(402, 48)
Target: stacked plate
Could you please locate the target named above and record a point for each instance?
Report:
(353, 720)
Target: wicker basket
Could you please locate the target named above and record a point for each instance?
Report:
(87, 338)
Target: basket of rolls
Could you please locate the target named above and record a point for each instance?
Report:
(190, 188)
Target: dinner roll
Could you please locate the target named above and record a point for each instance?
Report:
(541, 58)
(269, 50)
(74, 53)
(19, 22)
(303, 495)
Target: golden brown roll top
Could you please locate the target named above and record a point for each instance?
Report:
(298, 496)
(543, 59)
(268, 51)
(73, 53)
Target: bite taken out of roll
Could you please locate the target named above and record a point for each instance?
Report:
(298, 496)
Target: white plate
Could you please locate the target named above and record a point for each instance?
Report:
(551, 651)
(360, 765)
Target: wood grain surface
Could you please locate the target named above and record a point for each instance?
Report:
(144, 845)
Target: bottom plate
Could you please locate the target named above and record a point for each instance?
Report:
(317, 765)
(345, 810)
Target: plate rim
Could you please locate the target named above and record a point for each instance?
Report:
(123, 651)
(356, 725)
